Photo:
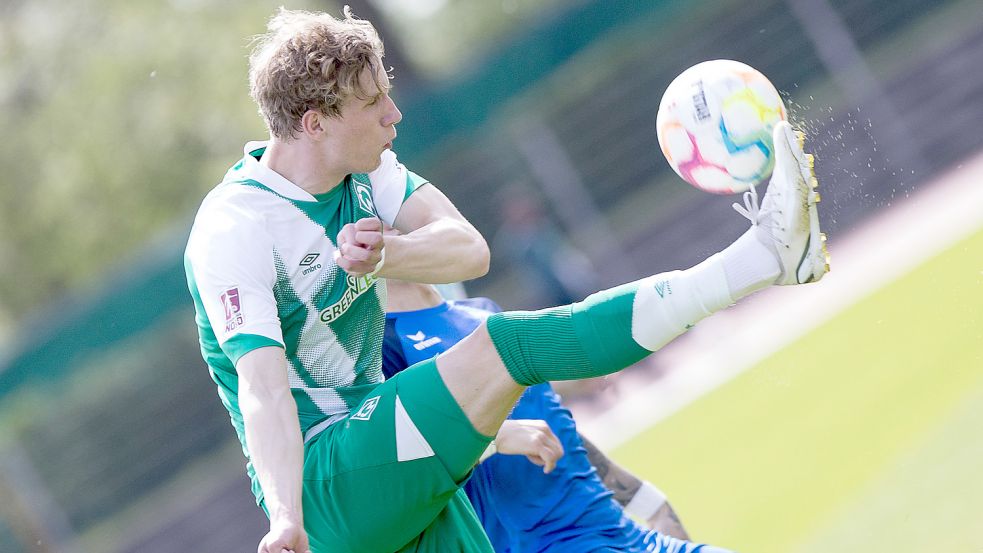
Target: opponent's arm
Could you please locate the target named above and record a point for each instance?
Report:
(276, 447)
(665, 521)
(639, 498)
(435, 244)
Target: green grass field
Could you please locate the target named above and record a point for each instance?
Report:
(865, 435)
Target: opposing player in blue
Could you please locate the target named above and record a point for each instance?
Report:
(562, 507)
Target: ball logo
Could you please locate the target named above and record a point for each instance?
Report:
(700, 107)
(233, 309)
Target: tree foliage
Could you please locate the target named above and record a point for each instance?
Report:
(118, 117)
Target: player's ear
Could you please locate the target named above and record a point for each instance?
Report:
(312, 123)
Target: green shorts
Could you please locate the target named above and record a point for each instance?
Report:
(388, 478)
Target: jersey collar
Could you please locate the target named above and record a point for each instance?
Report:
(253, 169)
(425, 312)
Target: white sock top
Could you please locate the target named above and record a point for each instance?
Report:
(668, 304)
(749, 264)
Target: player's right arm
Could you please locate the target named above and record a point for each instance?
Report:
(639, 498)
(276, 447)
(230, 265)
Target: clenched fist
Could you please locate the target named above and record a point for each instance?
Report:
(361, 246)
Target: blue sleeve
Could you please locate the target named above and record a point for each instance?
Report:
(393, 357)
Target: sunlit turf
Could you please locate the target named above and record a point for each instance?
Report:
(827, 445)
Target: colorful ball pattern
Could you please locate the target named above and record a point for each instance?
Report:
(715, 126)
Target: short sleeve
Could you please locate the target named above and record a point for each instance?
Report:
(230, 261)
(392, 183)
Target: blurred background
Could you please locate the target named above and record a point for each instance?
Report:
(536, 117)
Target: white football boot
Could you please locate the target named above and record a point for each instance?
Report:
(788, 221)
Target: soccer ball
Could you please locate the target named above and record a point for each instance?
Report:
(715, 123)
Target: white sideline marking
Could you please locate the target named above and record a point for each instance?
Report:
(721, 347)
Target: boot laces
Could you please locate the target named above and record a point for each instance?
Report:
(765, 220)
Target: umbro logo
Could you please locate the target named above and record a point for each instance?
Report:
(422, 342)
(308, 262)
(309, 259)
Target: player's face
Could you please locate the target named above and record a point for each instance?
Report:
(365, 127)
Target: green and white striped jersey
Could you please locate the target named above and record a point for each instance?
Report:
(261, 271)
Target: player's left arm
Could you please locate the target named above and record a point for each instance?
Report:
(639, 498)
(435, 244)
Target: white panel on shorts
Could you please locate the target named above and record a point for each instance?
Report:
(410, 443)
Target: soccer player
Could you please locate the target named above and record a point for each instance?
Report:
(522, 508)
(284, 263)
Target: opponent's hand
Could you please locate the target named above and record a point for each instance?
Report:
(285, 537)
(360, 246)
(532, 438)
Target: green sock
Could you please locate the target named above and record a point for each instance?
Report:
(611, 329)
(587, 339)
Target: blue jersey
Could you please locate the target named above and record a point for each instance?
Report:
(522, 509)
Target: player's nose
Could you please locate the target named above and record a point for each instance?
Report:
(393, 115)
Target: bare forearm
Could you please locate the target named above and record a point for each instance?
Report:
(276, 451)
(627, 487)
(665, 521)
(621, 482)
(443, 251)
(273, 437)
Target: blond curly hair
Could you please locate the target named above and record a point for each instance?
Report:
(311, 61)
